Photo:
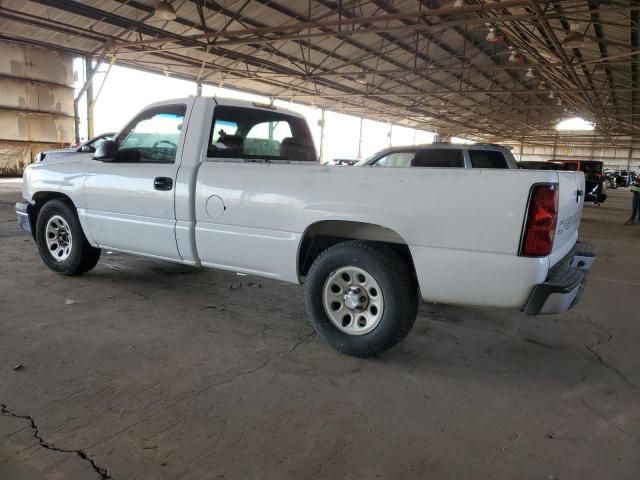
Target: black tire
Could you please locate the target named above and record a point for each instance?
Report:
(82, 257)
(398, 288)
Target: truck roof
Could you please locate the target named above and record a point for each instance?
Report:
(231, 102)
(439, 146)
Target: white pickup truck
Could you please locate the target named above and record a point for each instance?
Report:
(237, 186)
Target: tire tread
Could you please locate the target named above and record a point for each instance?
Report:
(397, 267)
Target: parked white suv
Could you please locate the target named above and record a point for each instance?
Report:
(237, 186)
(444, 155)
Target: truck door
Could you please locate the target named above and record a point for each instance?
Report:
(130, 201)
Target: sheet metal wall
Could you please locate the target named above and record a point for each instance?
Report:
(36, 103)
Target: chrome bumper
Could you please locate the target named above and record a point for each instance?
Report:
(564, 285)
(22, 213)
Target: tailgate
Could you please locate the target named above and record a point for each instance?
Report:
(571, 201)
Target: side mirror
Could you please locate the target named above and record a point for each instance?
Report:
(87, 149)
(106, 152)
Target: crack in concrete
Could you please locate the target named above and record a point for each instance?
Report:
(601, 341)
(104, 474)
(265, 363)
(610, 423)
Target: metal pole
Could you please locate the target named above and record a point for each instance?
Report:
(360, 140)
(90, 129)
(104, 80)
(521, 149)
(322, 137)
(76, 121)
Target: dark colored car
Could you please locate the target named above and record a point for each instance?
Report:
(533, 165)
(345, 162)
(89, 146)
(593, 177)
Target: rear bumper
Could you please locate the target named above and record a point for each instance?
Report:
(565, 283)
(22, 213)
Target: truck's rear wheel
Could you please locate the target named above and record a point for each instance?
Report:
(361, 298)
(61, 241)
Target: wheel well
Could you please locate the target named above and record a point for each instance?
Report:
(39, 199)
(322, 235)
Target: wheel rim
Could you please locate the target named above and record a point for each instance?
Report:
(353, 300)
(59, 239)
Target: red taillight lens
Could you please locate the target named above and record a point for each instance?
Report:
(540, 229)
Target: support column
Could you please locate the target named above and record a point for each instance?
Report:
(360, 140)
(88, 68)
(76, 121)
(322, 137)
(521, 149)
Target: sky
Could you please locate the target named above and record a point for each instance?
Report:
(127, 91)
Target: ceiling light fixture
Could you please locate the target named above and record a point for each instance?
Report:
(559, 102)
(513, 57)
(164, 11)
(530, 73)
(361, 78)
(551, 96)
(458, 3)
(492, 36)
(575, 38)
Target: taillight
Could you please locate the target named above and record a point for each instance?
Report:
(540, 228)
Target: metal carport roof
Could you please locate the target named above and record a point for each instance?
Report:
(425, 64)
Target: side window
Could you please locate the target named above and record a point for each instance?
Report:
(396, 159)
(153, 136)
(487, 159)
(256, 134)
(445, 158)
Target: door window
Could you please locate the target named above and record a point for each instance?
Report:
(153, 136)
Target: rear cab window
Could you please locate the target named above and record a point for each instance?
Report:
(254, 134)
(488, 159)
(434, 158)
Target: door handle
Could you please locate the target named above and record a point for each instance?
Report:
(163, 183)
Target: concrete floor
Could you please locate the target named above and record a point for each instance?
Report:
(158, 371)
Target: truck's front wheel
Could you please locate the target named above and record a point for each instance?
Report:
(61, 241)
(361, 298)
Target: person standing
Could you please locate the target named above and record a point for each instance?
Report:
(635, 199)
